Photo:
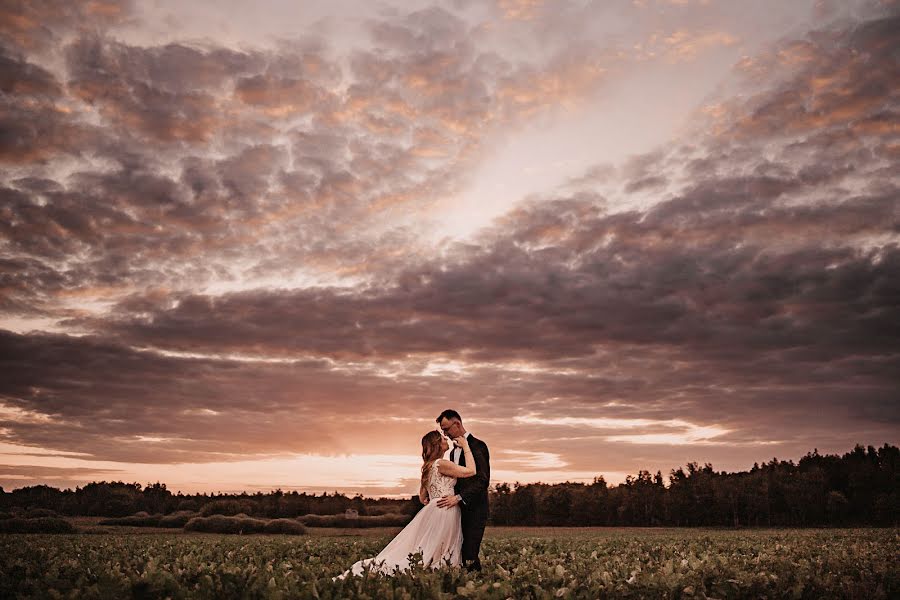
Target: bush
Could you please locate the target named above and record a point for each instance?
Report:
(37, 513)
(243, 524)
(177, 519)
(4, 515)
(387, 520)
(887, 509)
(223, 524)
(322, 520)
(189, 505)
(136, 520)
(38, 525)
(286, 526)
(378, 511)
(226, 507)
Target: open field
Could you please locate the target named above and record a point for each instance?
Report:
(518, 563)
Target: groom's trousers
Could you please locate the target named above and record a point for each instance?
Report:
(473, 522)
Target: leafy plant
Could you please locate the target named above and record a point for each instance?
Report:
(518, 563)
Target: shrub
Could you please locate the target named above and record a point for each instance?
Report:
(387, 520)
(136, 520)
(322, 520)
(37, 513)
(189, 504)
(177, 519)
(286, 526)
(377, 511)
(223, 524)
(38, 525)
(226, 507)
(4, 515)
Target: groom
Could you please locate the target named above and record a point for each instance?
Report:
(471, 492)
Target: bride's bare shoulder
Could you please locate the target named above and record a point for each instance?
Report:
(441, 465)
(446, 467)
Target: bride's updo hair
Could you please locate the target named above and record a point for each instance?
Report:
(431, 451)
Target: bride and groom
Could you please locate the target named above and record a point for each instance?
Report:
(449, 528)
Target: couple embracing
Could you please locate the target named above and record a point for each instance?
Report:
(449, 528)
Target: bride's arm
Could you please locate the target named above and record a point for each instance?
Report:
(451, 469)
(423, 494)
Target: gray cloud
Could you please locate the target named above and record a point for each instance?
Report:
(185, 150)
(41, 472)
(108, 402)
(673, 275)
(831, 88)
(101, 399)
(37, 25)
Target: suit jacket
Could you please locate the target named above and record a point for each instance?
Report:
(474, 490)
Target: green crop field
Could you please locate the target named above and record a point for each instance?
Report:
(518, 563)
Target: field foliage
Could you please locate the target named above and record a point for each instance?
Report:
(572, 563)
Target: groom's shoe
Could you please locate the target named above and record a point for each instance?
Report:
(473, 565)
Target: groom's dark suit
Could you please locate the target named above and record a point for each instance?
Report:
(474, 505)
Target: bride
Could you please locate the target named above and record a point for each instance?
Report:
(435, 532)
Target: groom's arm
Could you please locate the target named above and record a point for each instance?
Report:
(479, 482)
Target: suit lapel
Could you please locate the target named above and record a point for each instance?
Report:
(462, 455)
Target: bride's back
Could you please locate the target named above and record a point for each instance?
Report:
(439, 485)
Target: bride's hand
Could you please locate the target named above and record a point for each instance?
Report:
(461, 441)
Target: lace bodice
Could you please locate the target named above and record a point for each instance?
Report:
(439, 485)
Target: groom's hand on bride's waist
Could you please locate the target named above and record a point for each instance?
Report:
(449, 501)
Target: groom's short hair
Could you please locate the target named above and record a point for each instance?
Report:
(448, 414)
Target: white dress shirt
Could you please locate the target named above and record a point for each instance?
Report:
(456, 453)
(455, 456)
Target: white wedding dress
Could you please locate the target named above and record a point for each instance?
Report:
(435, 532)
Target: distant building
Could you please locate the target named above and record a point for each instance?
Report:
(351, 513)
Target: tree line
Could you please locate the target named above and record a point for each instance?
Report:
(862, 487)
(119, 499)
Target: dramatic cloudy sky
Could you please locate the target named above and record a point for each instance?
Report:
(249, 245)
